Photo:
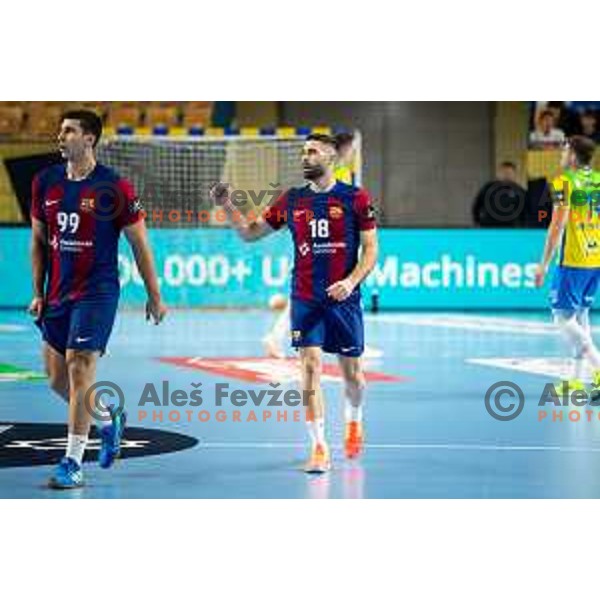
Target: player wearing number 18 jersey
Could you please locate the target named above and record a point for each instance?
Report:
(329, 222)
(344, 173)
(326, 226)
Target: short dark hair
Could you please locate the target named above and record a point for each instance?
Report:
(323, 138)
(90, 122)
(508, 164)
(343, 139)
(588, 112)
(584, 149)
(546, 113)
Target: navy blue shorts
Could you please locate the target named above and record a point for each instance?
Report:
(79, 325)
(336, 327)
(573, 288)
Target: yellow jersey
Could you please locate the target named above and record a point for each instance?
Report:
(344, 174)
(580, 190)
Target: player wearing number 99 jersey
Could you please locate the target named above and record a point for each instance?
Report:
(83, 221)
(78, 211)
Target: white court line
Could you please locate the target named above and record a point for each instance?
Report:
(4, 428)
(467, 322)
(448, 447)
(554, 367)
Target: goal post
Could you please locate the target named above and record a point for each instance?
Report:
(200, 262)
(173, 174)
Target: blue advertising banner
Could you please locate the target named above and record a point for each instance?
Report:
(418, 269)
(455, 269)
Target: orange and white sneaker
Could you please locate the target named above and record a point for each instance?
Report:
(354, 439)
(319, 461)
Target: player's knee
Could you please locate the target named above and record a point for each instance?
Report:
(58, 382)
(311, 364)
(80, 365)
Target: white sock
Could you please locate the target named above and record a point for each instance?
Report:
(594, 357)
(578, 336)
(353, 413)
(354, 402)
(583, 318)
(316, 430)
(76, 447)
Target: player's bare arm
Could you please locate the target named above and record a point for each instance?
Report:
(137, 236)
(249, 230)
(342, 289)
(38, 266)
(560, 217)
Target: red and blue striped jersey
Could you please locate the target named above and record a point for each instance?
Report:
(325, 228)
(83, 221)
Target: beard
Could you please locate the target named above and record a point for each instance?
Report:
(71, 153)
(313, 172)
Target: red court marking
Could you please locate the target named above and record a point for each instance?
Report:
(265, 370)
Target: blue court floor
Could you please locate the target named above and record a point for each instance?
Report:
(429, 434)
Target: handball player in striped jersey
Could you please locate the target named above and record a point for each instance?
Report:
(79, 209)
(329, 222)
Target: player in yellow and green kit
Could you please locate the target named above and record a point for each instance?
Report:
(575, 233)
(344, 171)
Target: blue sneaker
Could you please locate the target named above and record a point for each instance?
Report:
(111, 436)
(67, 475)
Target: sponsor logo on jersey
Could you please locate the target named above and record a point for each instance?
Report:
(304, 249)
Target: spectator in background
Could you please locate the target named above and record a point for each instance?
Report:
(588, 125)
(547, 135)
(500, 202)
(560, 110)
